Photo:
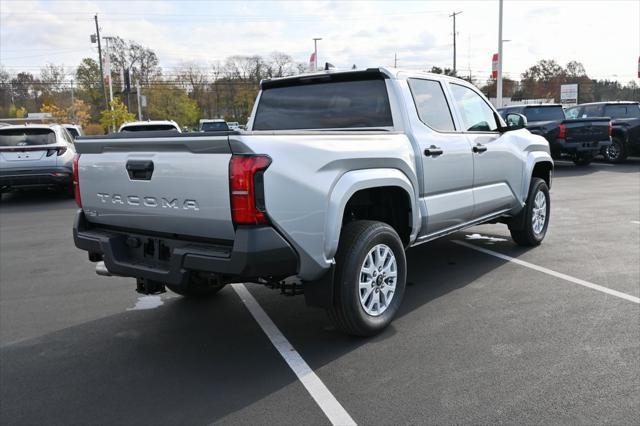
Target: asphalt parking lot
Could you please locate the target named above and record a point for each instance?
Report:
(480, 339)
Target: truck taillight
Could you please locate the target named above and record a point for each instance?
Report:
(610, 129)
(563, 132)
(246, 187)
(76, 184)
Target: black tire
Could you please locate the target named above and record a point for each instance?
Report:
(527, 236)
(197, 287)
(357, 239)
(583, 159)
(616, 152)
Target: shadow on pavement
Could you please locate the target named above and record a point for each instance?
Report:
(194, 361)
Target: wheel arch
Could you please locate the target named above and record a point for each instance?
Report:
(353, 188)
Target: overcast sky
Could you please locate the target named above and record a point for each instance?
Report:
(603, 35)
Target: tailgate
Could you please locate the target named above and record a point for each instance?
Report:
(587, 129)
(177, 185)
(28, 157)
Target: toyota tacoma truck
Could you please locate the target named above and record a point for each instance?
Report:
(579, 139)
(625, 121)
(336, 176)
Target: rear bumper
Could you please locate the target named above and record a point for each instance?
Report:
(561, 145)
(256, 252)
(35, 177)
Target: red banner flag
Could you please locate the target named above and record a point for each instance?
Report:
(494, 66)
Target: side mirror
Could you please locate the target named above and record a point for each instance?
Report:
(515, 121)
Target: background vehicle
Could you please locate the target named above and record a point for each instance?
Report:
(36, 155)
(339, 173)
(213, 125)
(625, 119)
(233, 125)
(150, 126)
(73, 129)
(579, 138)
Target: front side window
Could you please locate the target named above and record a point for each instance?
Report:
(476, 115)
(431, 104)
(324, 105)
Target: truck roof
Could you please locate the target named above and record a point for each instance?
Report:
(611, 103)
(31, 126)
(346, 75)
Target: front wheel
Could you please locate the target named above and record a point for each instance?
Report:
(536, 220)
(370, 278)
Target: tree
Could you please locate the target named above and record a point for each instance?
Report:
(141, 61)
(165, 102)
(59, 115)
(446, 71)
(90, 85)
(116, 116)
(23, 91)
(5, 92)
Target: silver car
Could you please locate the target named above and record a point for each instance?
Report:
(34, 155)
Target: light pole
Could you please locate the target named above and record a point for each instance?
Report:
(315, 53)
(499, 82)
(454, 39)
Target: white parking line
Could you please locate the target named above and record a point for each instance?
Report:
(566, 277)
(335, 412)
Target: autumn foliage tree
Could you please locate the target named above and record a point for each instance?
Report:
(116, 116)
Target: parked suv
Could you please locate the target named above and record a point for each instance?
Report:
(625, 120)
(36, 155)
(338, 174)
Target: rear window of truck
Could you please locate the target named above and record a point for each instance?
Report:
(326, 105)
(622, 111)
(554, 113)
(27, 137)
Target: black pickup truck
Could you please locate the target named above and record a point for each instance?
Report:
(580, 139)
(625, 120)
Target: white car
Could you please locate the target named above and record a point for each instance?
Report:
(36, 155)
(233, 125)
(150, 126)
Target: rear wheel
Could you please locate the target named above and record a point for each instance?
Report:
(583, 159)
(616, 152)
(536, 220)
(370, 278)
(197, 287)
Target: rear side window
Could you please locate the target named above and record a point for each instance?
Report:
(554, 113)
(330, 105)
(622, 111)
(431, 104)
(592, 111)
(477, 116)
(27, 137)
(73, 132)
(149, 128)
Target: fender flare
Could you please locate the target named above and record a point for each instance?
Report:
(534, 158)
(357, 180)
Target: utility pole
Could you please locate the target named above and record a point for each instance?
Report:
(315, 52)
(109, 69)
(454, 39)
(499, 78)
(104, 89)
(73, 104)
(139, 99)
(395, 60)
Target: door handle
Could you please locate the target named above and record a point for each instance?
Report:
(433, 151)
(479, 148)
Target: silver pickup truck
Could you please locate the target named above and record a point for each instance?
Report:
(336, 176)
